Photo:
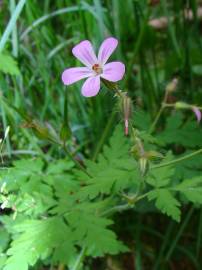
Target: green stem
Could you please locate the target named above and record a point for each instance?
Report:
(78, 165)
(136, 48)
(14, 31)
(117, 208)
(11, 24)
(104, 135)
(171, 30)
(166, 105)
(156, 119)
(165, 243)
(61, 267)
(49, 16)
(79, 259)
(163, 106)
(20, 152)
(177, 160)
(123, 207)
(5, 125)
(199, 234)
(113, 87)
(180, 231)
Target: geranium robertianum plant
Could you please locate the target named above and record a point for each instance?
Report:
(63, 210)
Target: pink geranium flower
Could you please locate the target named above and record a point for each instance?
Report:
(95, 67)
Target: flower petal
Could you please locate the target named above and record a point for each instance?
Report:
(197, 113)
(113, 71)
(91, 87)
(85, 53)
(72, 75)
(106, 49)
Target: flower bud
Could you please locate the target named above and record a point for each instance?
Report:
(153, 155)
(144, 165)
(42, 132)
(189, 15)
(138, 149)
(172, 86)
(182, 105)
(159, 24)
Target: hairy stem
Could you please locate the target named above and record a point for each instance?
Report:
(123, 207)
(78, 165)
(177, 160)
(112, 87)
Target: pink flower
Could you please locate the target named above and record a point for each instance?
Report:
(197, 113)
(95, 67)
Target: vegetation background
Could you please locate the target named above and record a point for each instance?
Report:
(159, 40)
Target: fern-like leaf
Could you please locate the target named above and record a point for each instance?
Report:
(37, 239)
(91, 231)
(113, 170)
(165, 202)
(191, 189)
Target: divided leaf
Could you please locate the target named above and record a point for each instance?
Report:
(178, 132)
(191, 189)
(115, 170)
(161, 177)
(37, 239)
(165, 202)
(91, 231)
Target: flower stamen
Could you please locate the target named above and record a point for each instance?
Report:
(97, 68)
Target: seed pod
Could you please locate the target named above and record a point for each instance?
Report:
(126, 108)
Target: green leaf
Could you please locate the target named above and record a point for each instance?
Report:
(191, 189)
(114, 170)
(165, 202)
(4, 239)
(37, 239)
(142, 120)
(8, 65)
(59, 166)
(161, 177)
(91, 231)
(178, 132)
(189, 168)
